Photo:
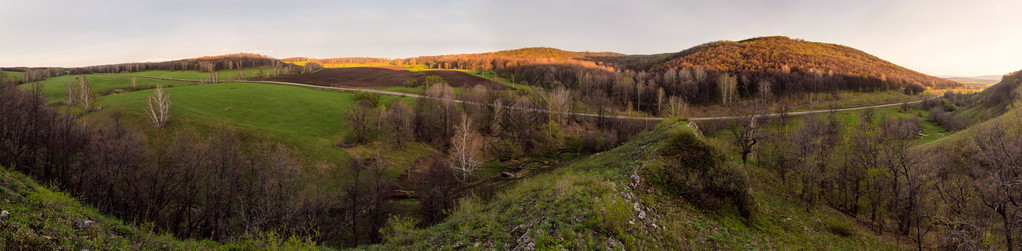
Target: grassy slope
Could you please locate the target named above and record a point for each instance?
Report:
(311, 120)
(42, 219)
(1011, 117)
(12, 75)
(595, 203)
(102, 84)
(989, 111)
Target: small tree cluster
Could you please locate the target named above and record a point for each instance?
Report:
(80, 93)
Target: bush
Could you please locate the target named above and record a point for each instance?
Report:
(506, 149)
(411, 83)
(399, 228)
(372, 98)
(614, 214)
(914, 88)
(948, 106)
(431, 80)
(696, 171)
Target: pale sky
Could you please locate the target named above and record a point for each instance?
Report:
(936, 37)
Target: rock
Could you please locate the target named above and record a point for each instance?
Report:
(4, 214)
(399, 194)
(85, 224)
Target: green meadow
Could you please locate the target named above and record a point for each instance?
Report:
(102, 84)
(311, 120)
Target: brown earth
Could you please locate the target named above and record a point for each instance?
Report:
(380, 77)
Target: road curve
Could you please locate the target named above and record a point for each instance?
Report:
(593, 115)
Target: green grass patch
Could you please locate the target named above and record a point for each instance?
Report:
(54, 88)
(847, 99)
(311, 120)
(493, 76)
(11, 75)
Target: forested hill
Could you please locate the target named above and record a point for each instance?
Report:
(779, 54)
(552, 53)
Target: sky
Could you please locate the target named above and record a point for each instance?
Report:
(936, 37)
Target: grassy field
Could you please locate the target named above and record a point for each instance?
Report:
(102, 84)
(11, 75)
(857, 99)
(44, 219)
(310, 120)
(595, 204)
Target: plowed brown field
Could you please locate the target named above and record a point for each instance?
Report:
(379, 77)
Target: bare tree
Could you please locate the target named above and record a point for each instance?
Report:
(465, 148)
(998, 151)
(360, 119)
(560, 103)
(443, 93)
(660, 98)
(84, 95)
(765, 92)
(676, 107)
(71, 91)
(746, 131)
(498, 116)
(699, 74)
(728, 86)
(397, 121)
(158, 107)
(810, 155)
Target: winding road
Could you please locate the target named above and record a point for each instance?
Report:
(594, 115)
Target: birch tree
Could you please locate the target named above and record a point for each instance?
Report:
(728, 86)
(561, 103)
(158, 107)
(465, 148)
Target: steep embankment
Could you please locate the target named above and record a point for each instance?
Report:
(997, 105)
(620, 199)
(36, 218)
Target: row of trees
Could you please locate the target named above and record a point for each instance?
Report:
(205, 64)
(29, 74)
(650, 91)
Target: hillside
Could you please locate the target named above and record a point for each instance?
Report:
(976, 81)
(617, 200)
(996, 105)
(780, 54)
(41, 219)
(551, 53)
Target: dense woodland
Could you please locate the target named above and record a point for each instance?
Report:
(353, 60)
(773, 68)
